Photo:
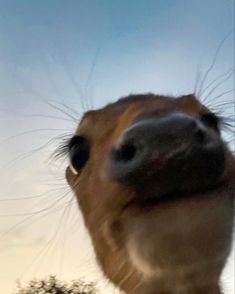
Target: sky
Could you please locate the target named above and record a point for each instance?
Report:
(61, 58)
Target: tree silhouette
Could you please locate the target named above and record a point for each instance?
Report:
(54, 286)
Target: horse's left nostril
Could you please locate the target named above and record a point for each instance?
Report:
(200, 136)
(125, 153)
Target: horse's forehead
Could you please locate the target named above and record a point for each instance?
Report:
(130, 106)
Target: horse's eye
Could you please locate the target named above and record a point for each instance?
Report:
(211, 120)
(79, 151)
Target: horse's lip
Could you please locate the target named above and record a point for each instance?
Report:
(176, 196)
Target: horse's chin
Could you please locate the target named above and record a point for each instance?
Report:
(184, 232)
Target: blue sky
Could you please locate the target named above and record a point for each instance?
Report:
(112, 48)
(89, 51)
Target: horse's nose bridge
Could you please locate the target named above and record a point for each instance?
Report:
(162, 132)
(138, 112)
(169, 127)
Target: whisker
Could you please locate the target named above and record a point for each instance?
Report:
(216, 79)
(62, 111)
(64, 237)
(223, 93)
(34, 212)
(219, 107)
(77, 114)
(214, 61)
(47, 116)
(25, 155)
(29, 218)
(28, 198)
(47, 100)
(90, 74)
(197, 81)
(68, 70)
(217, 86)
(48, 244)
(35, 217)
(30, 132)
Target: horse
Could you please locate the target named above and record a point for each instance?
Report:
(155, 182)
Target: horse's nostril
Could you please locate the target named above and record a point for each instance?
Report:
(125, 153)
(200, 136)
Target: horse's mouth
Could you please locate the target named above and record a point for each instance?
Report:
(207, 193)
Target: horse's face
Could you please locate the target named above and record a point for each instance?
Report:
(155, 183)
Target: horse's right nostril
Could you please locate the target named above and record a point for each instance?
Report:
(200, 136)
(125, 152)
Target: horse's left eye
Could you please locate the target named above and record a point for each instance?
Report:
(79, 151)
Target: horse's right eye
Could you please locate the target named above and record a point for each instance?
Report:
(79, 152)
(211, 120)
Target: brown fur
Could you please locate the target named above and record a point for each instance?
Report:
(178, 246)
